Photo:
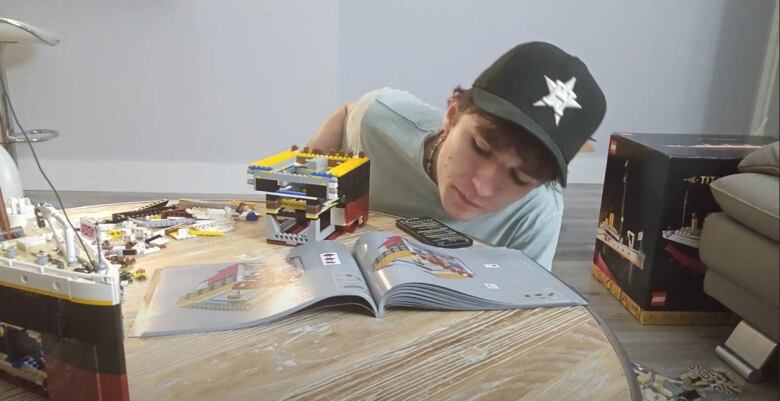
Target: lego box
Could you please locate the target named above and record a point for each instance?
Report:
(656, 196)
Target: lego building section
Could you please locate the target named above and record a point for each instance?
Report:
(311, 195)
(60, 323)
(14, 213)
(61, 332)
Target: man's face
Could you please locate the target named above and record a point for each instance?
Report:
(473, 178)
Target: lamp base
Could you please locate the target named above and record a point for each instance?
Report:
(10, 181)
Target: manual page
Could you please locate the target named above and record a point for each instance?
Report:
(401, 271)
(189, 299)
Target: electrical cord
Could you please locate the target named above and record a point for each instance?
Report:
(45, 177)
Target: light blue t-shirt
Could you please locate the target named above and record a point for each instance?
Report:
(391, 126)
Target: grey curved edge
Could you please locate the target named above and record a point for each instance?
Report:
(34, 136)
(633, 385)
(41, 34)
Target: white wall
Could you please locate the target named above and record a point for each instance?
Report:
(665, 66)
(171, 95)
(177, 96)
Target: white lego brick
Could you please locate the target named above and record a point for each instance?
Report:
(151, 249)
(20, 207)
(184, 233)
(337, 216)
(28, 242)
(17, 220)
(159, 241)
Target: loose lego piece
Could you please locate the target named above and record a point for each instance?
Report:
(206, 233)
(248, 216)
(151, 249)
(148, 210)
(157, 240)
(181, 233)
(159, 223)
(139, 275)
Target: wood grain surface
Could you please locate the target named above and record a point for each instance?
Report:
(346, 354)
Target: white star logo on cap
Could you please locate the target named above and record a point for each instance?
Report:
(560, 98)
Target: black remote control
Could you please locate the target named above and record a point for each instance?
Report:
(433, 232)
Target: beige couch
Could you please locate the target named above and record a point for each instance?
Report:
(741, 248)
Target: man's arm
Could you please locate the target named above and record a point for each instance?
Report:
(330, 134)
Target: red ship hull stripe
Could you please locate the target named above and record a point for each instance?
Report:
(67, 382)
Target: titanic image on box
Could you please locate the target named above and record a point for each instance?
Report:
(677, 251)
(681, 243)
(620, 236)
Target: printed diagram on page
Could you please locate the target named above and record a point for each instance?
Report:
(396, 251)
(240, 286)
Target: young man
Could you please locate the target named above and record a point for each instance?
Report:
(490, 165)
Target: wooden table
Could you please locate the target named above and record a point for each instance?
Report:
(339, 354)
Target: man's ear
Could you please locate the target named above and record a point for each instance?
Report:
(449, 115)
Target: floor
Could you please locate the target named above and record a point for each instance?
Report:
(669, 350)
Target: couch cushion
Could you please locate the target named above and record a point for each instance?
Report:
(750, 260)
(751, 199)
(765, 160)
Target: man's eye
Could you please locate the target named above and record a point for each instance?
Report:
(479, 149)
(517, 179)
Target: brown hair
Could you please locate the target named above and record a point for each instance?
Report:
(503, 134)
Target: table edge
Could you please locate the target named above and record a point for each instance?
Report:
(625, 362)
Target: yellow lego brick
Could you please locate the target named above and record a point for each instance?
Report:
(348, 166)
(325, 155)
(273, 160)
(250, 204)
(324, 208)
(206, 233)
(293, 204)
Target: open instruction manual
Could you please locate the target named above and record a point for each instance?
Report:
(383, 270)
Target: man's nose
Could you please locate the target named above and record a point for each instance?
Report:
(487, 180)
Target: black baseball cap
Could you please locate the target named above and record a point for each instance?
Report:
(548, 92)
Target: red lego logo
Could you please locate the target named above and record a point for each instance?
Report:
(658, 299)
(612, 147)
